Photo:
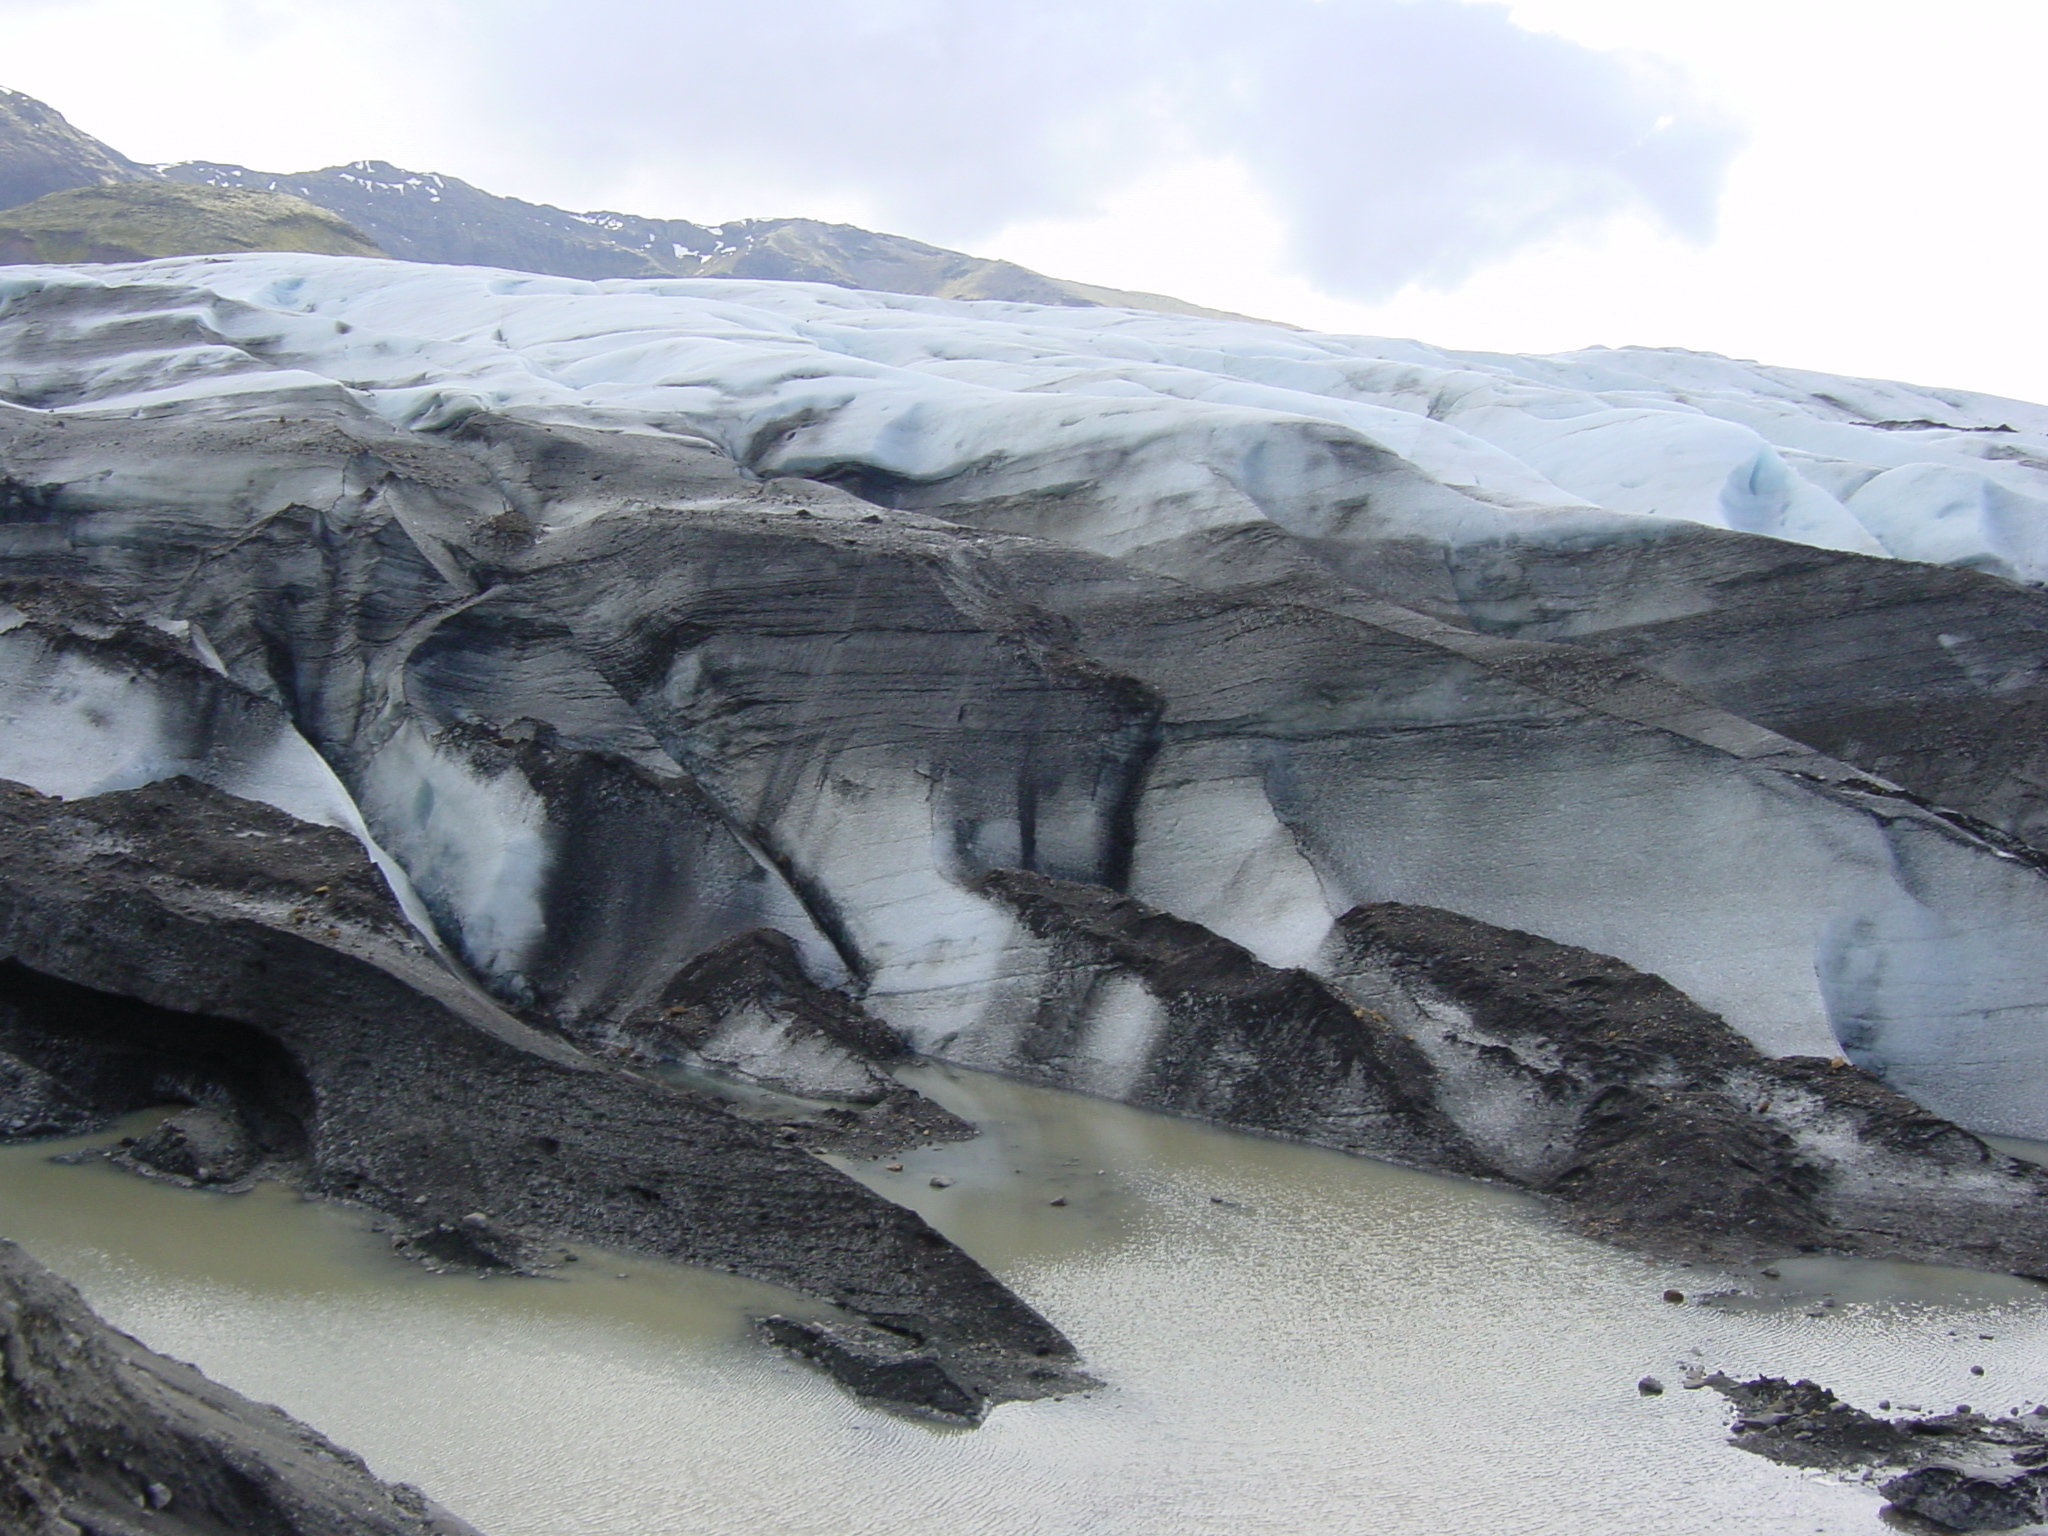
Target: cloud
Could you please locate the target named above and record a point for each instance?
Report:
(1416, 142)
(954, 116)
(1400, 141)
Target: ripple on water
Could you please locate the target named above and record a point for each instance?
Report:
(1297, 1343)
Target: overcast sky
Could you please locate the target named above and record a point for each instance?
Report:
(1850, 185)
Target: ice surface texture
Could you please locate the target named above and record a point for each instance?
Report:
(622, 618)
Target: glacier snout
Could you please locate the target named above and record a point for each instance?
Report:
(626, 621)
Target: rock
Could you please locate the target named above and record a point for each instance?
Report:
(1650, 1386)
(747, 1006)
(33, 1104)
(899, 1370)
(196, 1146)
(1961, 1502)
(97, 1426)
(473, 1245)
(1963, 1470)
(1252, 1045)
(1651, 1122)
(940, 1181)
(1804, 1424)
(881, 1369)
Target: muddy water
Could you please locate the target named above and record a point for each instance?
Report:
(1297, 1343)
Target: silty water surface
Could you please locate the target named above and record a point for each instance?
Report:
(1295, 1342)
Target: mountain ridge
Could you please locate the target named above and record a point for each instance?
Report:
(444, 220)
(41, 152)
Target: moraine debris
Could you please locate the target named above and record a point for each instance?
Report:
(1965, 1470)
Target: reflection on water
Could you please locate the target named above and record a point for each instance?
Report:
(1297, 1343)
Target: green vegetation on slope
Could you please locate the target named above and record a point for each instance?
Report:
(140, 220)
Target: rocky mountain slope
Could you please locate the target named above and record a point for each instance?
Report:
(138, 220)
(443, 219)
(103, 1435)
(415, 216)
(41, 153)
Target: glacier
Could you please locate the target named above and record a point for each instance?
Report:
(623, 619)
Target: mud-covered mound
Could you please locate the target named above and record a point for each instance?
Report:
(1429, 1038)
(173, 943)
(104, 1436)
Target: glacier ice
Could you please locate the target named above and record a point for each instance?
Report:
(627, 617)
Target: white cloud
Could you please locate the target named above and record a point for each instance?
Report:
(1418, 142)
(1397, 141)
